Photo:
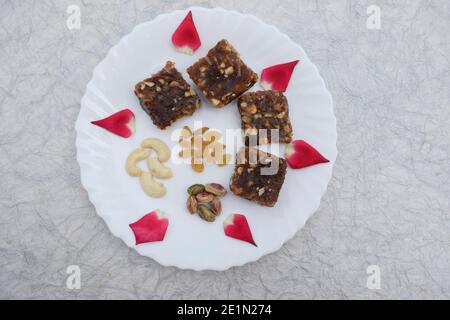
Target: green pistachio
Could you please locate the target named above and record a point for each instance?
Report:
(206, 214)
(195, 189)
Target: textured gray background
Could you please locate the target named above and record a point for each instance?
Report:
(387, 204)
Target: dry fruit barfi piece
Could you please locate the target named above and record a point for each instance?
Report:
(258, 176)
(221, 75)
(166, 96)
(265, 114)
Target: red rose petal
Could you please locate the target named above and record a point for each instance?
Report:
(121, 123)
(151, 227)
(277, 77)
(236, 226)
(186, 38)
(300, 154)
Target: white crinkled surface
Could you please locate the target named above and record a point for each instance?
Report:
(388, 203)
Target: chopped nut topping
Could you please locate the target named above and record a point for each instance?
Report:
(229, 70)
(215, 102)
(281, 115)
(246, 119)
(251, 109)
(261, 191)
(149, 83)
(251, 131)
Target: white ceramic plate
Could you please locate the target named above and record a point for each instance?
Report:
(191, 242)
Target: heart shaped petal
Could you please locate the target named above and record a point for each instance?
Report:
(277, 77)
(300, 154)
(186, 38)
(121, 123)
(236, 226)
(151, 227)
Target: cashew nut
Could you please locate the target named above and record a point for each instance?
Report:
(159, 146)
(136, 155)
(150, 186)
(157, 169)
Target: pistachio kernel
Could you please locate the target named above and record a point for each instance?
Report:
(192, 204)
(216, 206)
(216, 189)
(205, 213)
(205, 197)
(195, 189)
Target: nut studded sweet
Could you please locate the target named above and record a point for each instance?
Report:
(221, 75)
(258, 176)
(166, 96)
(262, 112)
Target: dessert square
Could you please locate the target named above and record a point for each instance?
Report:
(258, 176)
(166, 96)
(262, 111)
(221, 75)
